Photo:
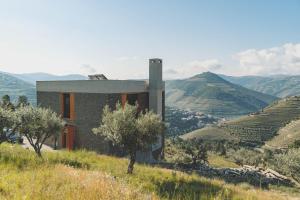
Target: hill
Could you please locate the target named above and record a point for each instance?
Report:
(286, 136)
(86, 175)
(255, 128)
(181, 121)
(15, 87)
(210, 94)
(280, 85)
(33, 77)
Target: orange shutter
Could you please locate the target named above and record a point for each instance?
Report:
(72, 106)
(61, 101)
(124, 99)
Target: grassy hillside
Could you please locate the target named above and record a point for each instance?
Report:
(280, 86)
(286, 136)
(85, 175)
(256, 128)
(210, 94)
(15, 87)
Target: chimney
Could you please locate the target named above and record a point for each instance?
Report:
(155, 85)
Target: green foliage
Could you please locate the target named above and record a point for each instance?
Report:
(246, 157)
(296, 144)
(7, 121)
(129, 129)
(22, 101)
(180, 151)
(288, 163)
(37, 125)
(6, 103)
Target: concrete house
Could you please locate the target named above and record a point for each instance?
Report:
(80, 103)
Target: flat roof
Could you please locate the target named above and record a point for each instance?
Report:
(93, 86)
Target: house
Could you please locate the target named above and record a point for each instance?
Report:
(80, 103)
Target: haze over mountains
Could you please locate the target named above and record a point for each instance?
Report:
(24, 84)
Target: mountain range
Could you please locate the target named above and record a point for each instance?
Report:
(24, 84)
(210, 94)
(279, 85)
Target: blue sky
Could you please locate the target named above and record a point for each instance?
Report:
(246, 37)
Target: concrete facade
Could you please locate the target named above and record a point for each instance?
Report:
(88, 98)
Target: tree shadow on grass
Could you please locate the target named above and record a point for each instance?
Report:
(191, 189)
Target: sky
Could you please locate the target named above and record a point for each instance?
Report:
(116, 38)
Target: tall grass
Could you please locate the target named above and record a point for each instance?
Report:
(86, 175)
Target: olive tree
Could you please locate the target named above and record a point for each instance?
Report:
(6, 103)
(37, 125)
(129, 129)
(7, 121)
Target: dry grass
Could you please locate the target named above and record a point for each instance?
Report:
(219, 161)
(86, 175)
(62, 182)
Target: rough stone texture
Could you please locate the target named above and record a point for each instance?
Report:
(253, 175)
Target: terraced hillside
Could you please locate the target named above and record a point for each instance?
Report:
(210, 94)
(286, 136)
(255, 128)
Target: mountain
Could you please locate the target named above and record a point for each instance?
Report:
(33, 77)
(24, 84)
(276, 122)
(15, 87)
(210, 94)
(279, 85)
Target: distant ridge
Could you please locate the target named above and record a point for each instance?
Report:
(211, 94)
(277, 85)
(15, 87)
(33, 77)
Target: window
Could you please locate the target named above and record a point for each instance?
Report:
(132, 99)
(66, 105)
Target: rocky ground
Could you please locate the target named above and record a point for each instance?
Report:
(255, 176)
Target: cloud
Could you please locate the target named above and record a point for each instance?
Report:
(87, 69)
(192, 68)
(277, 60)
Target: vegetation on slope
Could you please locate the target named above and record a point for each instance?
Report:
(255, 128)
(280, 86)
(82, 175)
(14, 87)
(210, 94)
(286, 136)
(180, 121)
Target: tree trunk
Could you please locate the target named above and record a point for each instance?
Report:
(131, 163)
(38, 151)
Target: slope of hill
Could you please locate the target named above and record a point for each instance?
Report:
(255, 128)
(182, 121)
(286, 136)
(15, 87)
(33, 77)
(210, 94)
(86, 175)
(280, 85)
